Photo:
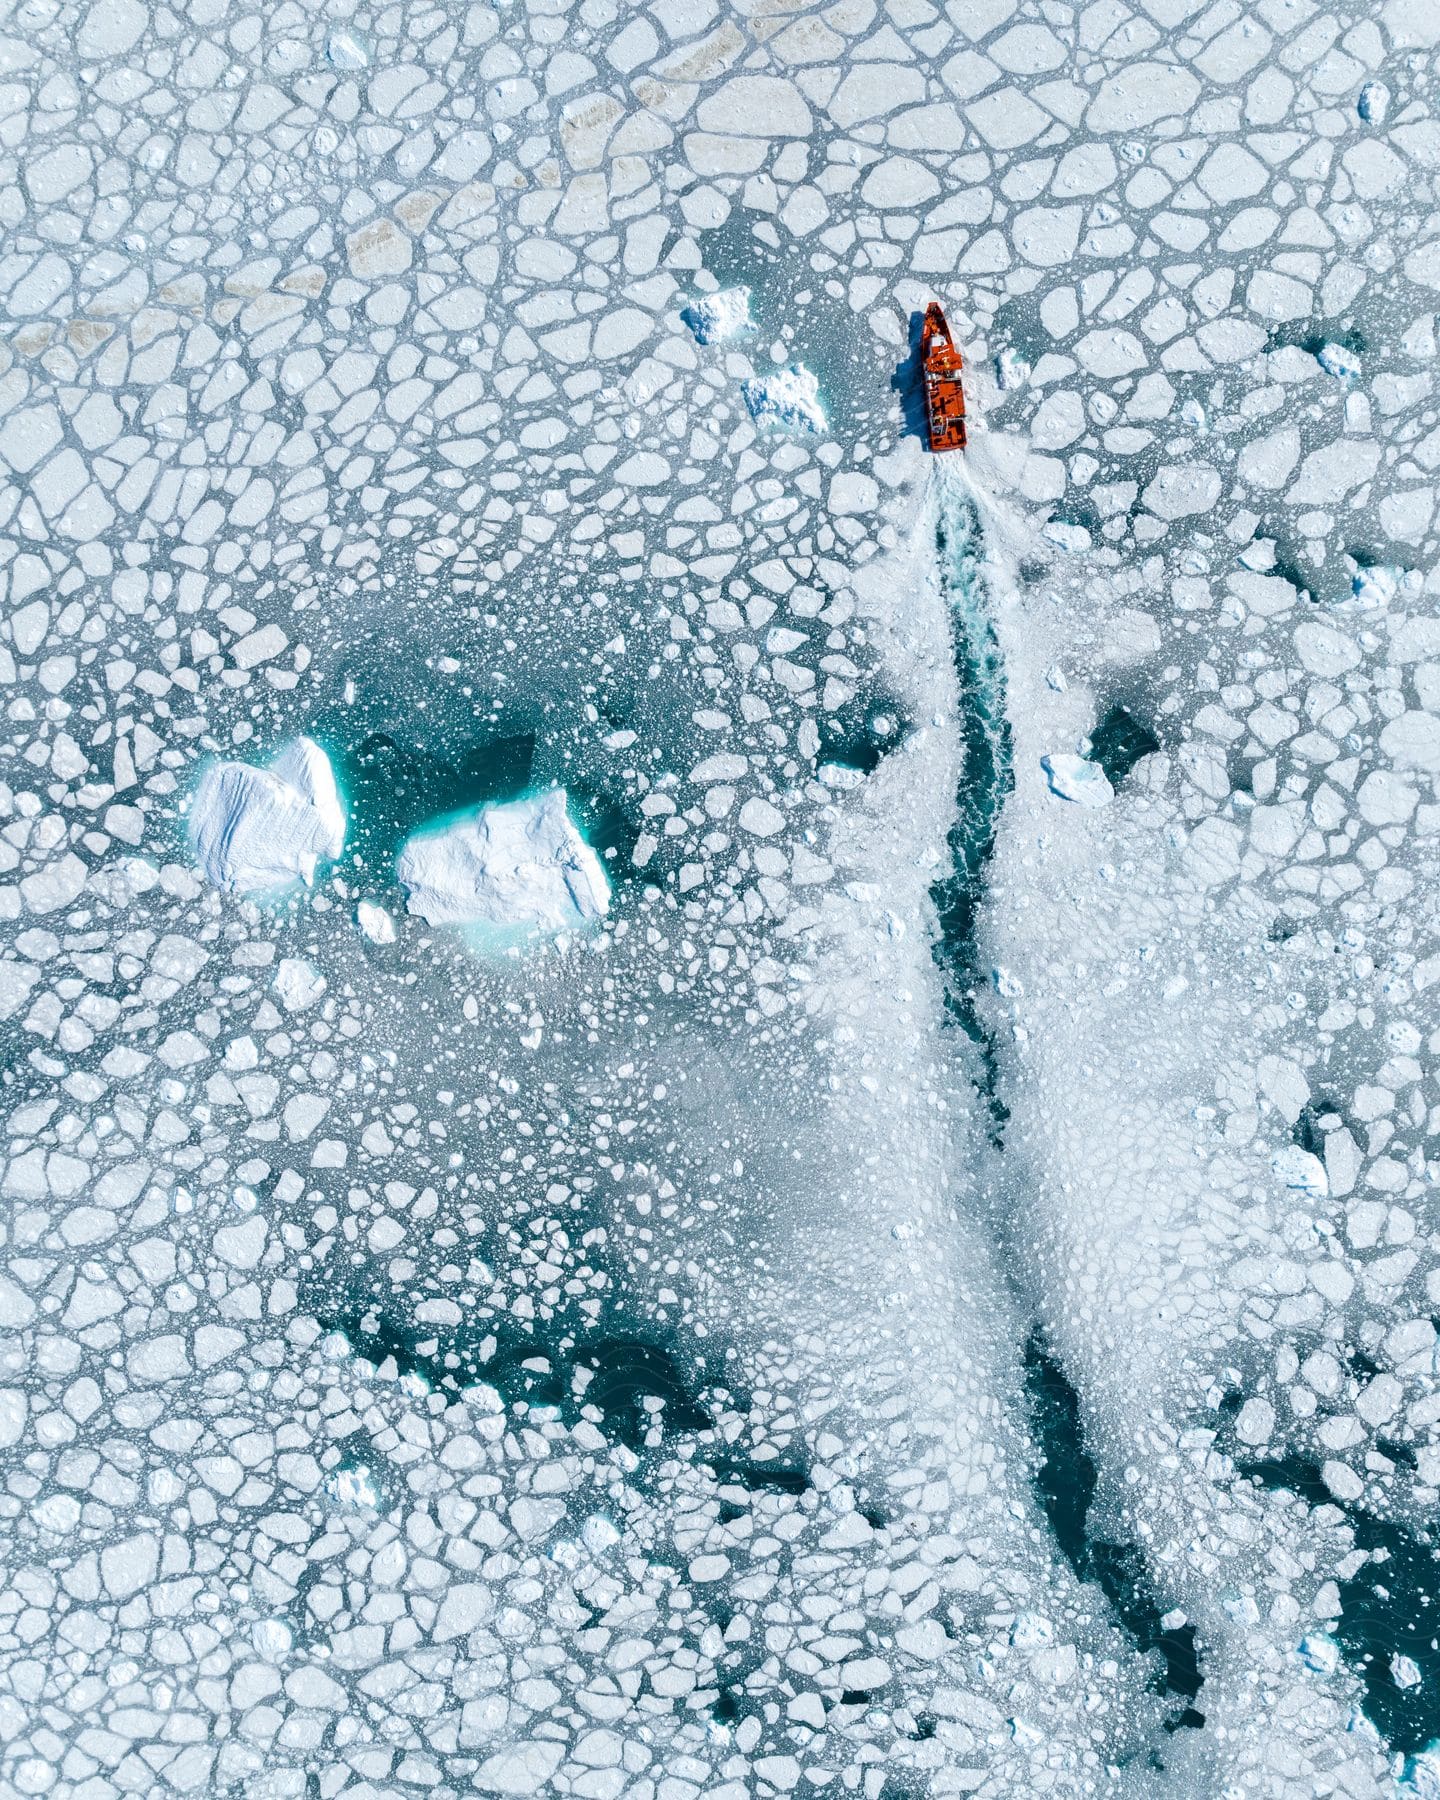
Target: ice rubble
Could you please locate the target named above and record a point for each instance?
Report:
(714, 318)
(788, 399)
(255, 830)
(523, 863)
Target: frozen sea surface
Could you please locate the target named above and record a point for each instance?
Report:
(935, 1289)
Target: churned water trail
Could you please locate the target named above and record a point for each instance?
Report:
(986, 772)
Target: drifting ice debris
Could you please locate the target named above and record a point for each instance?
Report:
(788, 398)
(521, 863)
(1404, 1671)
(1336, 360)
(715, 317)
(1077, 778)
(255, 830)
(1300, 1169)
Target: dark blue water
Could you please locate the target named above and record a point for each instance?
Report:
(1065, 1484)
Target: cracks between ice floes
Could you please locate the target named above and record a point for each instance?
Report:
(1066, 1475)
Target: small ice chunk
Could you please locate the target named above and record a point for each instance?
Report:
(1374, 102)
(715, 317)
(787, 398)
(1336, 360)
(1319, 1652)
(522, 863)
(375, 922)
(1404, 1672)
(1300, 1169)
(256, 830)
(1078, 779)
(1031, 1631)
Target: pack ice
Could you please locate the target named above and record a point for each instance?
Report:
(520, 863)
(253, 830)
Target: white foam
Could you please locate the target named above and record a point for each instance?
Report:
(256, 830)
(788, 398)
(522, 863)
(716, 317)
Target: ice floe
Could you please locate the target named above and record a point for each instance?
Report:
(254, 830)
(523, 863)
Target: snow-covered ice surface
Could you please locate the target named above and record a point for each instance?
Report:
(518, 863)
(936, 1290)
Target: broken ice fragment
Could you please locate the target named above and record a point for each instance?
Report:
(1336, 360)
(1078, 779)
(715, 317)
(1300, 1169)
(519, 864)
(787, 398)
(375, 922)
(256, 830)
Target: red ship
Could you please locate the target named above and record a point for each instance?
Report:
(942, 366)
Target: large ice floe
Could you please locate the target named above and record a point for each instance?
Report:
(256, 830)
(521, 864)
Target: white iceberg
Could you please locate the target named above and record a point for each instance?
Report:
(1405, 1671)
(518, 864)
(255, 830)
(1077, 779)
(1336, 360)
(1300, 1169)
(788, 398)
(1319, 1653)
(715, 317)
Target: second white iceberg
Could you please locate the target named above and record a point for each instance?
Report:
(522, 863)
